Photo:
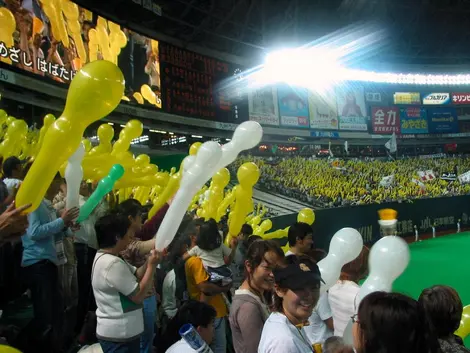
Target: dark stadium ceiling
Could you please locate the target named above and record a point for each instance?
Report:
(418, 32)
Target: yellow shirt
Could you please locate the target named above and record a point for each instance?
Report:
(196, 274)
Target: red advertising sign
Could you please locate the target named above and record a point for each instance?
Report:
(385, 120)
(461, 98)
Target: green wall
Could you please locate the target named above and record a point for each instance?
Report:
(167, 162)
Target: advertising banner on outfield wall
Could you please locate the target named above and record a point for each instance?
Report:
(323, 112)
(385, 120)
(407, 98)
(443, 120)
(413, 121)
(293, 106)
(436, 99)
(262, 106)
(461, 98)
(351, 106)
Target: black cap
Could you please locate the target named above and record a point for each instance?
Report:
(9, 165)
(300, 273)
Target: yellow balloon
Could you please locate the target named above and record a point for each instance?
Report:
(464, 329)
(170, 190)
(306, 215)
(105, 135)
(148, 94)
(278, 234)
(8, 27)
(138, 98)
(7, 349)
(194, 148)
(248, 174)
(87, 144)
(94, 92)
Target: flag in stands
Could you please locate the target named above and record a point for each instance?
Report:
(426, 175)
(391, 144)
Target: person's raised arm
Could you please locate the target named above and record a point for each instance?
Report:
(147, 272)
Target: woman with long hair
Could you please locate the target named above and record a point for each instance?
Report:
(392, 323)
(296, 293)
(249, 307)
(342, 296)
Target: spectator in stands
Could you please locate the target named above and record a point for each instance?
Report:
(321, 324)
(300, 237)
(43, 252)
(136, 254)
(119, 294)
(198, 282)
(13, 174)
(297, 289)
(343, 295)
(174, 285)
(201, 315)
(245, 238)
(250, 305)
(336, 344)
(86, 246)
(67, 270)
(391, 323)
(443, 309)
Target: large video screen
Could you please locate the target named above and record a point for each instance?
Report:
(53, 42)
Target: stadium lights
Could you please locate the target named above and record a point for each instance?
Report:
(158, 131)
(112, 124)
(140, 139)
(320, 67)
(196, 136)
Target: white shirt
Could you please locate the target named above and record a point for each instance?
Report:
(180, 347)
(318, 331)
(343, 299)
(114, 281)
(289, 253)
(12, 184)
(279, 335)
(212, 258)
(169, 296)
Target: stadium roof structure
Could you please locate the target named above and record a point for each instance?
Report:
(417, 32)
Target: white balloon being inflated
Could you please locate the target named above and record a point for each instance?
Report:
(73, 177)
(388, 258)
(345, 246)
(210, 158)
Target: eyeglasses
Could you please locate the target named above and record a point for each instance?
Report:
(354, 319)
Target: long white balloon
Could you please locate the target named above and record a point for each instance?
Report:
(345, 246)
(197, 170)
(73, 177)
(388, 258)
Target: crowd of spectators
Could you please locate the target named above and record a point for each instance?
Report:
(345, 182)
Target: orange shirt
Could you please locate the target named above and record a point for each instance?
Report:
(196, 274)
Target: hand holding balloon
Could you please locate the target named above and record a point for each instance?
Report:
(104, 187)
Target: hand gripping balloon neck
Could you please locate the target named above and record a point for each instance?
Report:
(105, 186)
(197, 170)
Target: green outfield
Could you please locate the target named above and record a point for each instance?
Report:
(444, 260)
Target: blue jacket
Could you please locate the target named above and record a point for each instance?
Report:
(44, 229)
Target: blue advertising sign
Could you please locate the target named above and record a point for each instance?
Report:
(328, 134)
(443, 120)
(293, 106)
(413, 121)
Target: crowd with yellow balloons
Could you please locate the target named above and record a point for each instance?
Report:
(355, 182)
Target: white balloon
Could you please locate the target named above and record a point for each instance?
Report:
(192, 180)
(73, 177)
(210, 158)
(345, 246)
(388, 258)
